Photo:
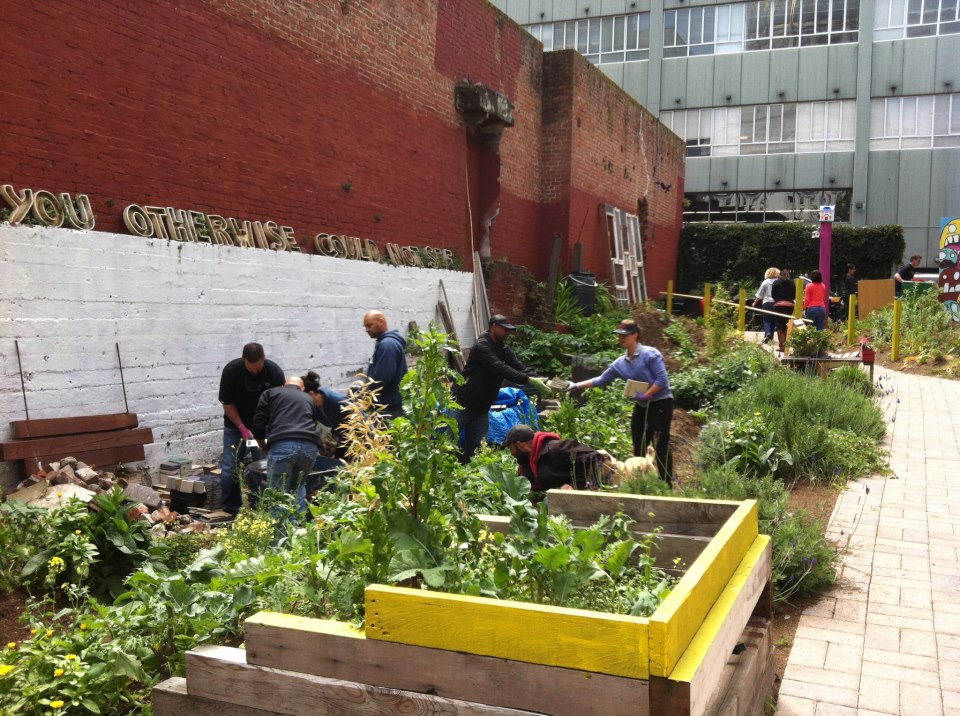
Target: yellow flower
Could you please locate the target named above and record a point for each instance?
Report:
(59, 494)
(12, 645)
(83, 627)
(33, 632)
(58, 704)
(757, 413)
(58, 673)
(71, 657)
(5, 669)
(78, 532)
(49, 632)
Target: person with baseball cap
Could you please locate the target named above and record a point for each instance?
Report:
(491, 362)
(653, 409)
(550, 462)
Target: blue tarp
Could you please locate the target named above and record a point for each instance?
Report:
(511, 408)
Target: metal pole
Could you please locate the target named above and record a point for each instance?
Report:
(895, 342)
(742, 312)
(851, 318)
(23, 388)
(123, 385)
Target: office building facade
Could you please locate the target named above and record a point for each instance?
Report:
(785, 106)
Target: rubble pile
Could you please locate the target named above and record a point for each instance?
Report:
(70, 478)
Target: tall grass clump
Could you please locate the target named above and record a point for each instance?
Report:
(926, 328)
(830, 430)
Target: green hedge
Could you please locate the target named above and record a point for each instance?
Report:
(739, 253)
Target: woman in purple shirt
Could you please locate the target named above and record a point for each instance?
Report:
(653, 411)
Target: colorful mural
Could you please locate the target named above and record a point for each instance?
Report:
(948, 260)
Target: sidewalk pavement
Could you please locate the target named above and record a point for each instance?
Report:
(886, 638)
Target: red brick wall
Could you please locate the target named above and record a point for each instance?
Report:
(264, 111)
(267, 110)
(614, 152)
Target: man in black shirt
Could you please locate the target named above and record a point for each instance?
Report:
(905, 273)
(490, 363)
(242, 382)
(847, 289)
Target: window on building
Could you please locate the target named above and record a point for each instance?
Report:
(765, 129)
(916, 122)
(897, 19)
(602, 40)
(766, 206)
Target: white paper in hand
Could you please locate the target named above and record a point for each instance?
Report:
(633, 388)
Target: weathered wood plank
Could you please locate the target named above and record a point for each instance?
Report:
(680, 615)
(70, 444)
(555, 636)
(748, 676)
(335, 650)
(690, 529)
(170, 698)
(665, 512)
(50, 427)
(699, 672)
(221, 673)
(95, 458)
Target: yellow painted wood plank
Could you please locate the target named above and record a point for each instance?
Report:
(754, 572)
(678, 618)
(556, 636)
(307, 624)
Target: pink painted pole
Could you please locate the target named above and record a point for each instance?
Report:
(826, 241)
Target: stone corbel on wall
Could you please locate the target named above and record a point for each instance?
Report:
(484, 110)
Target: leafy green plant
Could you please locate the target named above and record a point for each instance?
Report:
(700, 387)
(803, 560)
(746, 444)
(686, 352)
(809, 343)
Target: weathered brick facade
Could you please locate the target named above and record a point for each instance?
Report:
(331, 117)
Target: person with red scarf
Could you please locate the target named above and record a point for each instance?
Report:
(551, 462)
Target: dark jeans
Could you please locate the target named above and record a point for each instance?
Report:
(817, 314)
(650, 423)
(473, 426)
(234, 448)
(289, 462)
(768, 321)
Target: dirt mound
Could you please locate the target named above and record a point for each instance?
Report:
(684, 431)
(651, 334)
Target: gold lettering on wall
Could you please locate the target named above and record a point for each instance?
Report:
(188, 225)
(48, 209)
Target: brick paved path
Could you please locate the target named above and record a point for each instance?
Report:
(886, 638)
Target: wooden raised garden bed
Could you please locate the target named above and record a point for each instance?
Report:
(706, 650)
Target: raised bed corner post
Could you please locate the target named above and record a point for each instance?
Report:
(895, 342)
(706, 301)
(742, 311)
(798, 298)
(851, 318)
(670, 298)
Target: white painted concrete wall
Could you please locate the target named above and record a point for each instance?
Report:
(179, 312)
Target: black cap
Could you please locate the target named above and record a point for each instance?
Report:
(498, 319)
(518, 434)
(626, 328)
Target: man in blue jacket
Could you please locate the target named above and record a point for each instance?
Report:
(389, 362)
